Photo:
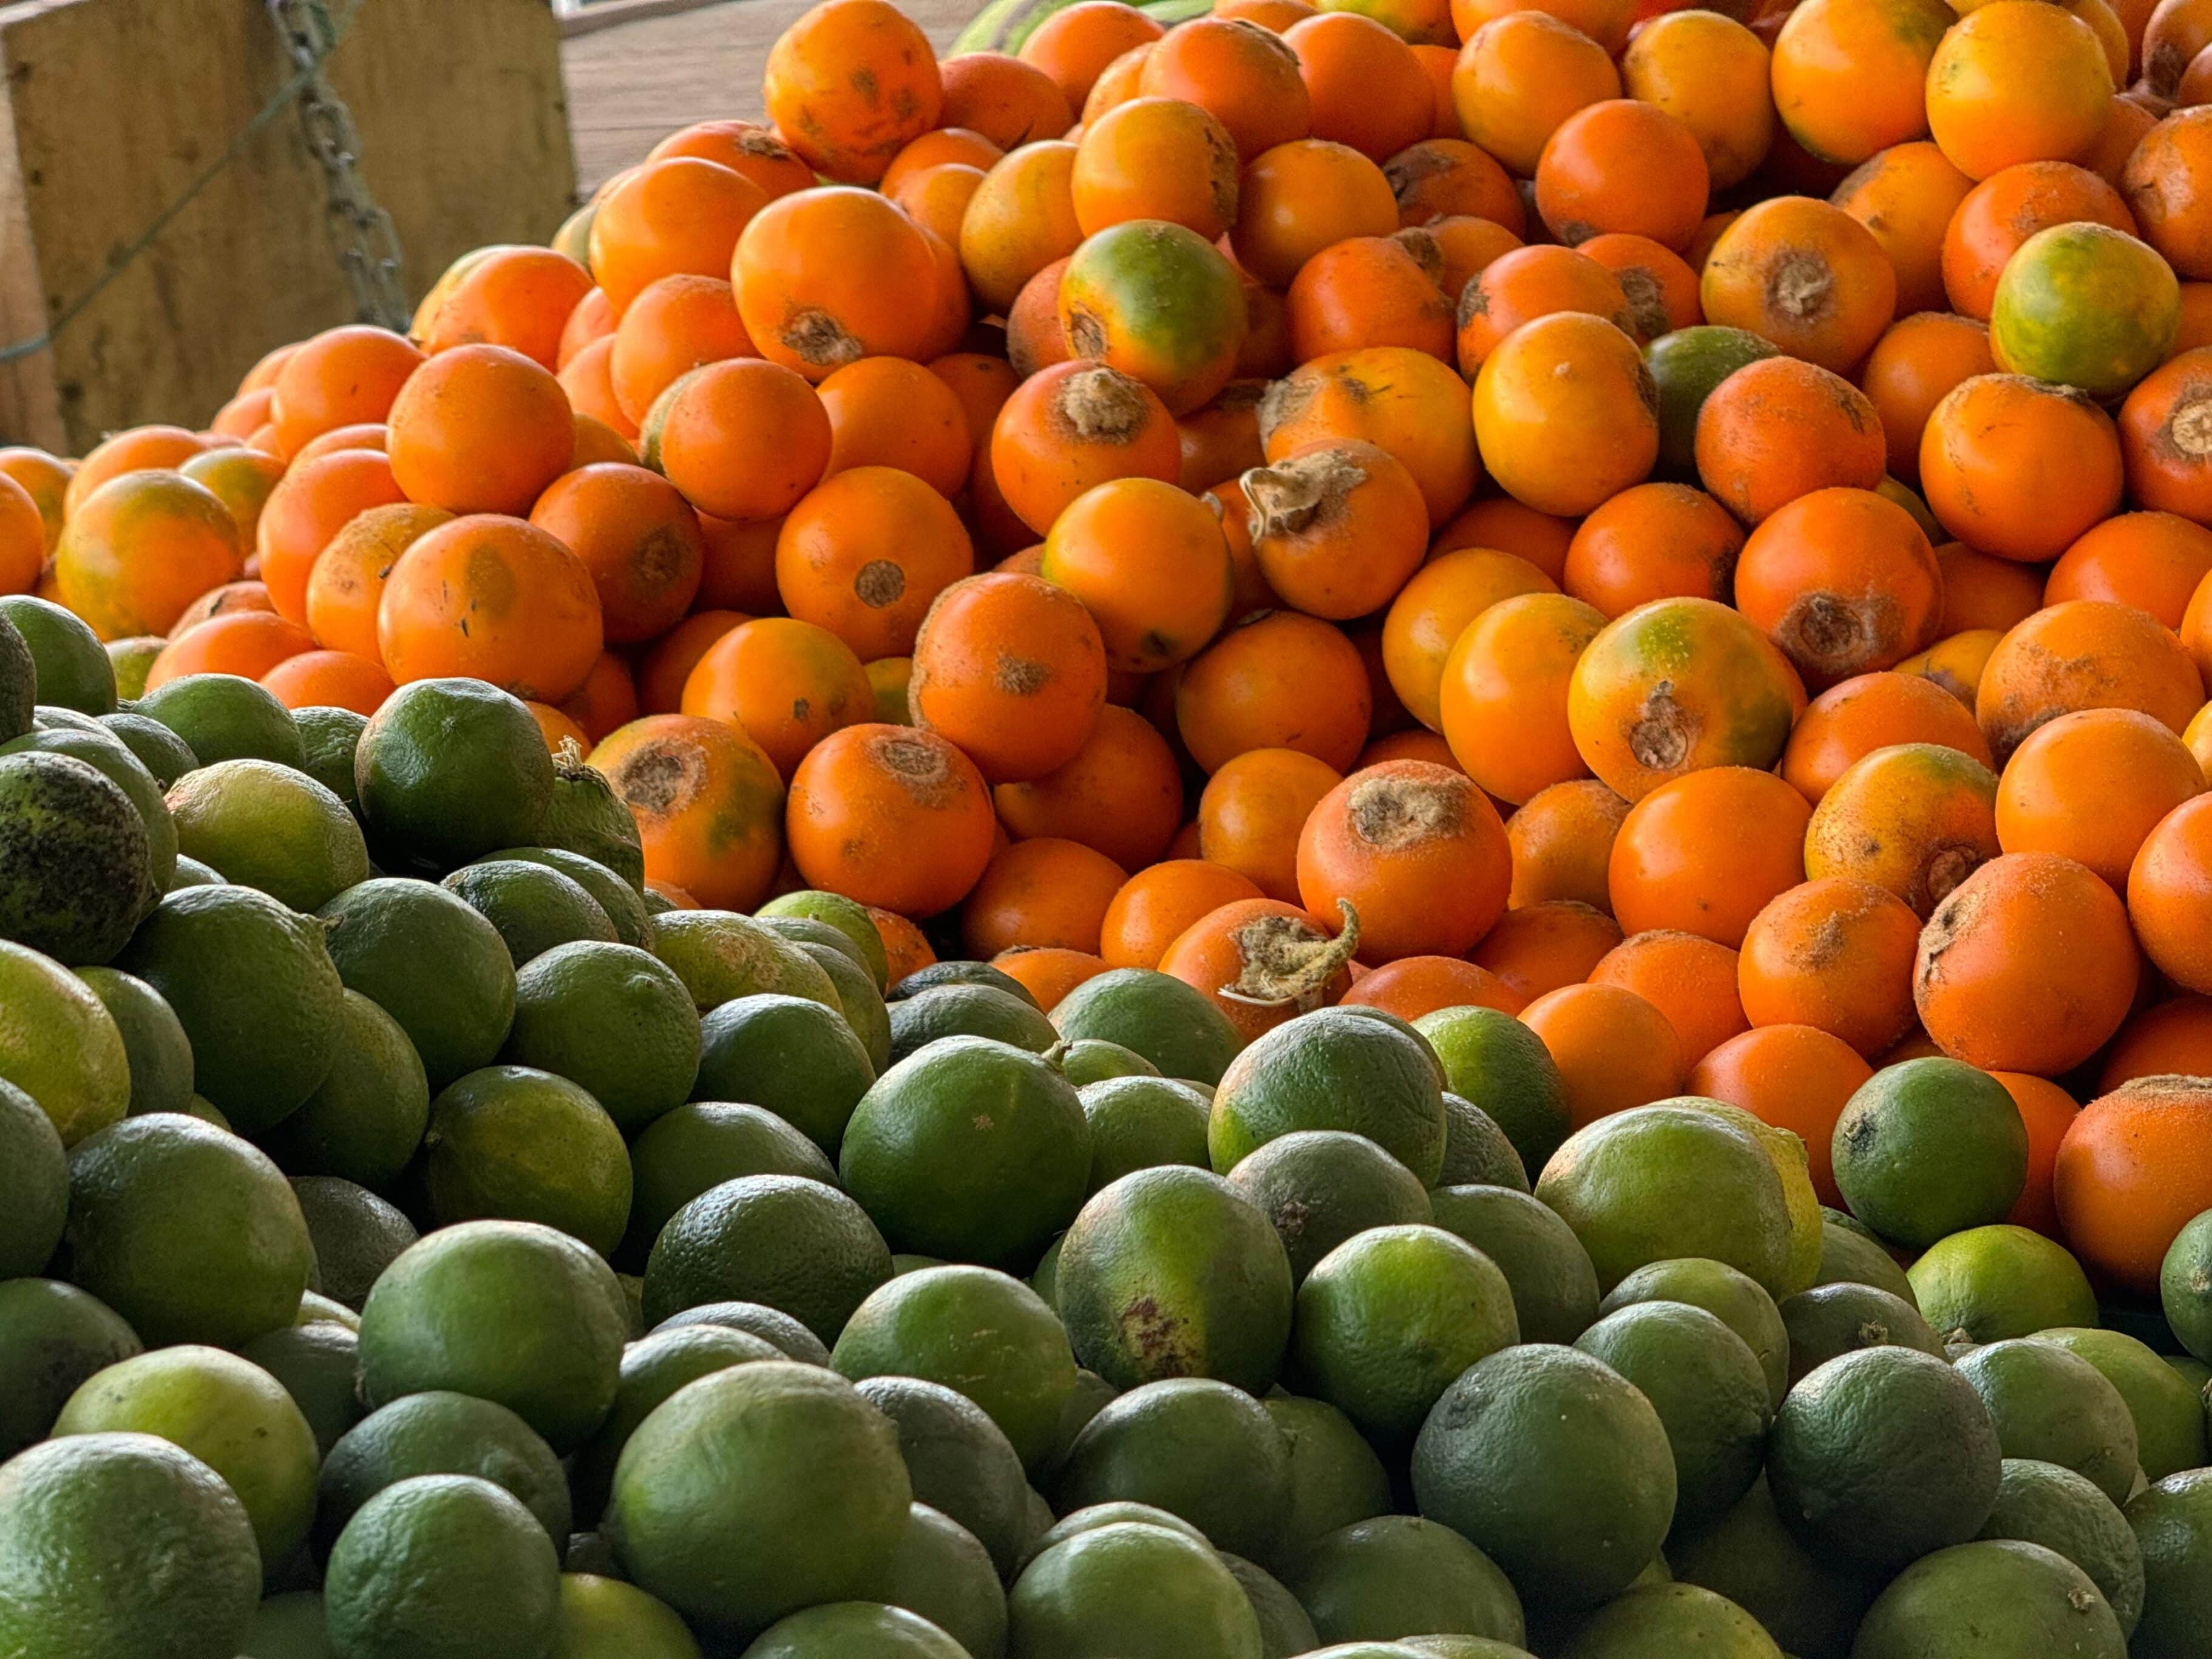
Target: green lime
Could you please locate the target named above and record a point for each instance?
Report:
(980, 1332)
(939, 1572)
(855, 1630)
(1398, 1575)
(2049, 1404)
(1477, 1152)
(848, 917)
(1883, 1456)
(616, 897)
(187, 1231)
(1658, 1622)
(1928, 1148)
(959, 973)
(509, 1311)
(190, 872)
(222, 717)
(1174, 1272)
(160, 1053)
(584, 815)
(1174, 1025)
(615, 1020)
(2169, 1418)
(256, 990)
(974, 1152)
(1836, 1319)
(1336, 1478)
(230, 1414)
(958, 1462)
(1850, 1255)
(792, 1056)
(1085, 1401)
(357, 1235)
(1092, 1059)
(1685, 365)
(1499, 1065)
(508, 1143)
(769, 1324)
(330, 738)
(34, 1185)
(2042, 1503)
(605, 1619)
(1553, 1465)
(1116, 1513)
(1808, 1603)
(1140, 1121)
(1663, 1182)
(431, 963)
(1991, 1597)
(367, 1118)
(59, 1045)
(654, 1368)
(534, 907)
(164, 755)
(109, 756)
(1193, 1446)
(448, 769)
(52, 1337)
(1710, 1392)
(1787, 1153)
(1554, 1285)
(757, 1491)
(440, 1432)
(719, 956)
(1387, 1320)
(1285, 1629)
(2001, 1281)
(1320, 1187)
(701, 1144)
(1332, 1070)
(2185, 1287)
(969, 1011)
(19, 681)
(2171, 1519)
(71, 667)
(83, 1519)
(799, 1246)
(442, 1566)
(271, 827)
(862, 1005)
(77, 872)
(1129, 1591)
(316, 1363)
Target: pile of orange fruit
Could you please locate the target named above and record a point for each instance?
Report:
(1690, 526)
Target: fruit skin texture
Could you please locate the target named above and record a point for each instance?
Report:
(442, 1564)
(1332, 1071)
(1417, 849)
(1928, 1148)
(2173, 1521)
(1131, 1590)
(2021, 1595)
(2086, 306)
(2131, 1172)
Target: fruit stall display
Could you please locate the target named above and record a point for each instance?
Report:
(1376, 831)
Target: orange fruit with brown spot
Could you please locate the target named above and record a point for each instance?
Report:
(1652, 541)
(1781, 428)
(1045, 894)
(1149, 564)
(1690, 980)
(1505, 694)
(1505, 524)
(2084, 653)
(480, 429)
(1794, 1076)
(1156, 905)
(1337, 528)
(2028, 965)
(341, 377)
(890, 815)
(827, 276)
(2016, 82)
(786, 685)
(347, 583)
(1705, 853)
(1413, 985)
(221, 601)
(2166, 437)
(1366, 86)
(1835, 954)
(1433, 613)
(1457, 248)
(639, 539)
(677, 324)
(1915, 819)
(708, 807)
(1616, 1051)
(1418, 852)
(1661, 288)
(1010, 103)
(1906, 196)
(2019, 468)
(1843, 581)
(1526, 284)
(1074, 46)
(1251, 812)
(246, 643)
(1009, 667)
(1566, 414)
(1369, 291)
(2155, 562)
(2092, 787)
(1622, 166)
(1915, 365)
(1449, 178)
(1538, 948)
(1121, 793)
(2167, 181)
(1519, 76)
(1073, 427)
(1402, 401)
(865, 553)
(1852, 719)
(137, 550)
(848, 84)
(1155, 158)
(1561, 840)
(1712, 74)
(490, 598)
(1020, 220)
(1806, 275)
(744, 147)
(2008, 208)
(1242, 75)
(1278, 680)
(1263, 963)
(744, 440)
(1301, 197)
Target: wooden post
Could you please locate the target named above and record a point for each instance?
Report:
(110, 108)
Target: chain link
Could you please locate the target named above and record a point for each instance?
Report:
(361, 233)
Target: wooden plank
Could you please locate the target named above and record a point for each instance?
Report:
(111, 107)
(630, 87)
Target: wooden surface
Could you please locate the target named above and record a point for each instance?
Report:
(631, 86)
(109, 107)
